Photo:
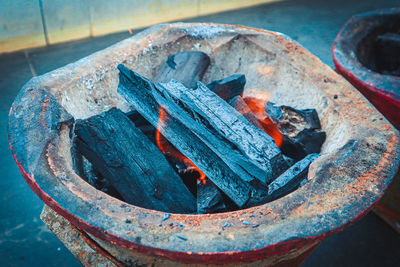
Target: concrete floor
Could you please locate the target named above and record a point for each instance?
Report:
(25, 240)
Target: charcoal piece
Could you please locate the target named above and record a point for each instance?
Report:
(311, 140)
(290, 179)
(292, 121)
(142, 124)
(229, 87)
(248, 150)
(188, 67)
(300, 130)
(307, 142)
(259, 196)
(95, 179)
(188, 173)
(209, 198)
(89, 175)
(86, 171)
(137, 169)
(141, 94)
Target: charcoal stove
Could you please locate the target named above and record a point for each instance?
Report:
(372, 66)
(366, 53)
(359, 157)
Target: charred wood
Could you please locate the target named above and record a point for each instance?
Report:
(123, 155)
(300, 130)
(142, 94)
(306, 142)
(86, 171)
(94, 178)
(229, 87)
(290, 179)
(209, 198)
(248, 150)
(292, 121)
(77, 160)
(188, 67)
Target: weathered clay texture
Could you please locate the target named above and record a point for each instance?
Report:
(359, 157)
(382, 90)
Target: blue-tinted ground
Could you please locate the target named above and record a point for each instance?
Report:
(25, 240)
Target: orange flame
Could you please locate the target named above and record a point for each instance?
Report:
(166, 148)
(256, 102)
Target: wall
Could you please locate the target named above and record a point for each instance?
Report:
(32, 23)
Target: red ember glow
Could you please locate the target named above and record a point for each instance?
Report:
(167, 148)
(257, 101)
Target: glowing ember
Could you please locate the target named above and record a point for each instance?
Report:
(166, 148)
(257, 100)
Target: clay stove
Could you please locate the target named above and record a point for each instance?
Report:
(359, 157)
(366, 53)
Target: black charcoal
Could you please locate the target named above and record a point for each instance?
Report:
(188, 67)
(141, 94)
(209, 198)
(229, 87)
(290, 179)
(131, 163)
(248, 150)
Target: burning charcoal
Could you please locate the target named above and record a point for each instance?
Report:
(209, 198)
(187, 67)
(131, 163)
(290, 179)
(252, 108)
(142, 94)
(299, 129)
(240, 105)
(229, 87)
(249, 151)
